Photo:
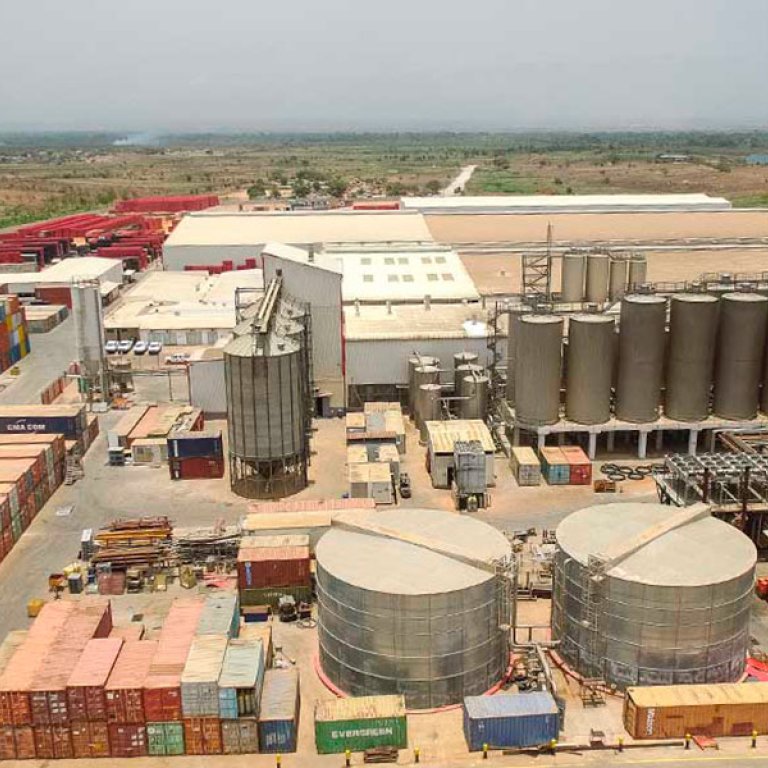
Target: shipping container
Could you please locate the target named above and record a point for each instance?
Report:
(53, 742)
(360, 723)
(130, 632)
(202, 736)
(279, 711)
(69, 420)
(7, 743)
(526, 466)
(241, 679)
(200, 678)
(671, 711)
(25, 742)
(149, 450)
(165, 738)
(85, 688)
(128, 740)
(250, 633)
(579, 464)
(90, 739)
(510, 720)
(271, 595)
(195, 445)
(220, 615)
(124, 688)
(196, 468)
(240, 737)
(264, 562)
(555, 467)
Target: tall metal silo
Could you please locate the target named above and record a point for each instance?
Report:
(474, 390)
(591, 346)
(417, 361)
(638, 269)
(740, 353)
(572, 270)
(641, 357)
(428, 407)
(88, 319)
(617, 279)
(268, 406)
(691, 356)
(413, 602)
(646, 594)
(597, 277)
(538, 369)
(513, 326)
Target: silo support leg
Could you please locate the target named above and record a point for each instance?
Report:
(659, 439)
(592, 449)
(541, 440)
(516, 436)
(693, 439)
(642, 444)
(610, 441)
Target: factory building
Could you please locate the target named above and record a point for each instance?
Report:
(203, 239)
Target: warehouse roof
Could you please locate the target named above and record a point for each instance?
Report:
(294, 227)
(73, 268)
(562, 203)
(443, 435)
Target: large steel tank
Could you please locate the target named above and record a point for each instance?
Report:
(638, 271)
(641, 358)
(420, 611)
(428, 407)
(474, 391)
(617, 280)
(597, 277)
(691, 356)
(740, 353)
(538, 369)
(464, 370)
(513, 327)
(573, 269)
(589, 375)
(640, 599)
(414, 362)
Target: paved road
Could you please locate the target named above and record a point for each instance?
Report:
(459, 182)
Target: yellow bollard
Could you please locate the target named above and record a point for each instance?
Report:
(485, 751)
(553, 746)
(687, 740)
(278, 760)
(347, 758)
(754, 739)
(416, 754)
(621, 744)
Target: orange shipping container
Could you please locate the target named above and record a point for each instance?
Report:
(24, 737)
(202, 736)
(123, 690)
(90, 740)
(53, 742)
(85, 688)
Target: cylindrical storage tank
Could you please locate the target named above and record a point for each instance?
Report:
(397, 616)
(590, 368)
(671, 605)
(414, 362)
(462, 371)
(617, 279)
(691, 356)
(597, 278)
(537, 372)
(641, 358)
(638, 270)
(573, 267)
(463, 358)
(475, 390)
(513, 326)
(740, 352)
(428, 407)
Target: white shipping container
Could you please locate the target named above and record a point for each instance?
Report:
(200, 678)
(526, 466)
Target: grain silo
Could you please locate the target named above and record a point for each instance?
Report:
(691, 356)
(413, 602)
(638, 271)
(645, 594)
(538, 369)
(572, 269)
(641, 357)
(597, 278)
(513, 328)
(740, 352)
(617, 280)
(268, 404)
(414, 362)
(590, 368)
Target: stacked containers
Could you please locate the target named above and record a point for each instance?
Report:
(580, 467)
(525, 465)
(165, 739)
(279, 712)
(270, 566)
(196, 455)
(555, 466)
(12, 642)
(14, 333)
(123, 690)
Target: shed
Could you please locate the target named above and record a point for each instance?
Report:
(371, 481)
(442, 437)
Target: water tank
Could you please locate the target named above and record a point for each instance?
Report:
(573, 267)
(475, 390)
(590, 368)
(268, 420)
(691, 356)
(638, 268)
(463, 358)
(513, 326)
(597, 278)
(538, 368)
(415, 362)
(646, 594)
(418, 611)
(641, 357)
(739, 357)
(428, 407)
(617, 279)
(464, 370)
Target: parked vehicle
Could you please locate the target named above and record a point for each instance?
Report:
(111, 347)
(140, 348)
(125, 346)
(405, 485)
(155, 347)
(178, 358)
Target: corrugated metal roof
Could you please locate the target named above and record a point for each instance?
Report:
(96, 662)
(216, 618)
(206, 655)
(525, 455)
(372, 472)
(286, 540)
(360, 708)
(510, 705)
(312, 505)
(703, 695)
(266, 554)
(443, 435)
(355, 421)
(357, 454)
(242, 664)
(278, 699)
(132, 666)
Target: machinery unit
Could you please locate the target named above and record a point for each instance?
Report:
(648, 595)
(537, 383)
(268, 384)
(469, 482)
(413, 602)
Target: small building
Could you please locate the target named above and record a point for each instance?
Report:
(389, 454)
(442, 437)
(357, 454)
(371, 481)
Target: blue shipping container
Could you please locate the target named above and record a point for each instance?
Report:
(195, 445)
(279, 711)
(20, 425)
(510, 720)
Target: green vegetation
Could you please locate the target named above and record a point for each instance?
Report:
(490, 181)
(751, 201)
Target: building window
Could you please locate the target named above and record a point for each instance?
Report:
(432, 277)
(439, 259)
(448, 276)
(366, 261)
(367, 278)
(389, 261)
(402, 260)
(393, 278)
(426, 260)
(407, 278)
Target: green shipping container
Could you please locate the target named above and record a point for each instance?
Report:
(270, 595)
(165, 738)
(17, 528)
(360, 723)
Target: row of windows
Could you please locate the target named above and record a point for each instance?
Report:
(390, 261)
(432, 277)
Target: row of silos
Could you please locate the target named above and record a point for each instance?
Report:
(598, 277)
(714, 352)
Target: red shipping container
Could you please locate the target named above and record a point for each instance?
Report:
(7, 743)
(579, 464)
(263, 567)
(162, 698)
(25, 742)
(124, 688)
(202, 736)
(85, 688)
(128, 740)
(90, 740)
(53, 742)
(196, 468)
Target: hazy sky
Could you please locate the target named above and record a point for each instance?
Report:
(383, 64)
